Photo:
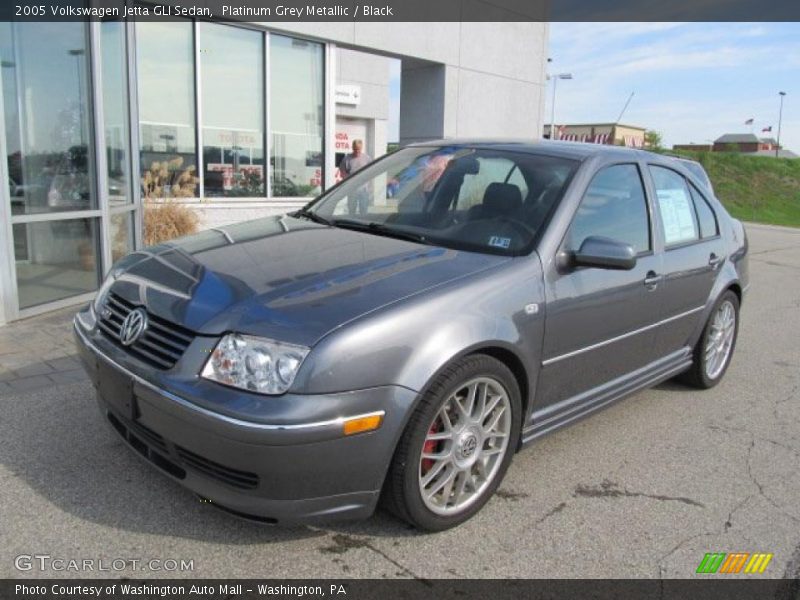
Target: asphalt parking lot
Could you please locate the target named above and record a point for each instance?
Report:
(643, 489)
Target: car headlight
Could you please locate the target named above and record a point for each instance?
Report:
(254, 364)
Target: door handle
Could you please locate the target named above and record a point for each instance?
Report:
(651, 280)
(714, 261)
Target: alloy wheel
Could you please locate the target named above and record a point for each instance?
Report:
(720, 339)
(465, 446)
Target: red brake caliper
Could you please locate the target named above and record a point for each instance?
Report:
(430, 447)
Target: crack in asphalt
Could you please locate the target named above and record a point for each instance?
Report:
(676, 547)
(553, 511)
(509, 495)
(793, 566)
(610, 489)
(729, 521)
(753, 479)
(343, 542)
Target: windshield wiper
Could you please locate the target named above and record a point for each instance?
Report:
(311, 216)
(380, 229)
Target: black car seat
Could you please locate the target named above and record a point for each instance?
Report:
(499, 200)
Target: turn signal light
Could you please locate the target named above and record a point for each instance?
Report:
(363, 424)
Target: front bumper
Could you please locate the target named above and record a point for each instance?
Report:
(293, 469)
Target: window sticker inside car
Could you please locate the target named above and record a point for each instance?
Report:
(499, 242)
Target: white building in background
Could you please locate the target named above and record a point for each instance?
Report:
(237, 120)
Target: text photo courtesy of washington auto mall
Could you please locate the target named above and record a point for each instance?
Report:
(453, 299)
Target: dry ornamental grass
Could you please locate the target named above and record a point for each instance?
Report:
(165, 219)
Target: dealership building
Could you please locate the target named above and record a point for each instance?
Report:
(236, 120)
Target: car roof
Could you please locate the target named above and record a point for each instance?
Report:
(683, 158)
(575, 150)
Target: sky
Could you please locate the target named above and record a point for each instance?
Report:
(691, 82)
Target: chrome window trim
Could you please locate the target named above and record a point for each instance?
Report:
(560, 357)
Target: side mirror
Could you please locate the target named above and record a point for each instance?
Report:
(605, 253)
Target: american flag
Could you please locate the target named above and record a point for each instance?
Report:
(766, 129)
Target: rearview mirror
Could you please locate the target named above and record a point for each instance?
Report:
(605, 253)
(466, 165)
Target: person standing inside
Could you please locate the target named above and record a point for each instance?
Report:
(357, 159)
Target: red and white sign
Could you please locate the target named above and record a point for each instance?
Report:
(348, 130)
(228, 173)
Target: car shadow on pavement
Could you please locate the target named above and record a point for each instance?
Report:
(672, 385)
(54, 443)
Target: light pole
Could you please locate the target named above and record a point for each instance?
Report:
(780, 118)
(555, 77)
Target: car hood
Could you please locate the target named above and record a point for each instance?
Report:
(284, 278)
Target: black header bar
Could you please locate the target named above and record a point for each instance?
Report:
(707, 587)
(404, 10)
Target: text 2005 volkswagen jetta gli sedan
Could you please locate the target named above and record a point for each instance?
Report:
(408, 331)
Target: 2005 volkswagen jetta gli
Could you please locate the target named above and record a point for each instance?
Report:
(404, 334)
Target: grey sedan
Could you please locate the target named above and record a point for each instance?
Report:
(401, 337)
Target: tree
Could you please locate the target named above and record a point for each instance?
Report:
(653, 139)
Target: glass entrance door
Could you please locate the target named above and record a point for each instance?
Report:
(49, 141)
(68, 187)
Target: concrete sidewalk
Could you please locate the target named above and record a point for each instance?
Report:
(39, 352)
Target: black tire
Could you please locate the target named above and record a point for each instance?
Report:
(401, 493)
(697, 375)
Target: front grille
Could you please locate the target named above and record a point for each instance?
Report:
(160, 345)
(234, 477)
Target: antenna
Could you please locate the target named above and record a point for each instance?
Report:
(624, 108)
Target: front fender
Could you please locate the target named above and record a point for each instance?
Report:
(407, 344)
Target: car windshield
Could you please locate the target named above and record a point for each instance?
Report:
(473, 199)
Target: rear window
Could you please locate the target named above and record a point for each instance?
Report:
(698, 171)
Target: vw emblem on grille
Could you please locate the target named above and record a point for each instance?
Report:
(133, 326)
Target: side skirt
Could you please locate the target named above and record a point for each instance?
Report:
(569, 411)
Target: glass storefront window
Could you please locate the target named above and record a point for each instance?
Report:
(45, 76)
(115, 111)
(232, 101)
(121, 234)
(165, 72)
(55, 259)
(297, 115)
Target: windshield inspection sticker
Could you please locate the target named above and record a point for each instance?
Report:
(500, 242)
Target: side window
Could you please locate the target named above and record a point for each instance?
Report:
(705, 214)
(675, 206)
(615, 207)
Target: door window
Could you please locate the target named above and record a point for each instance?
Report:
(705, 214)
(615, 207)
(678, 218)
